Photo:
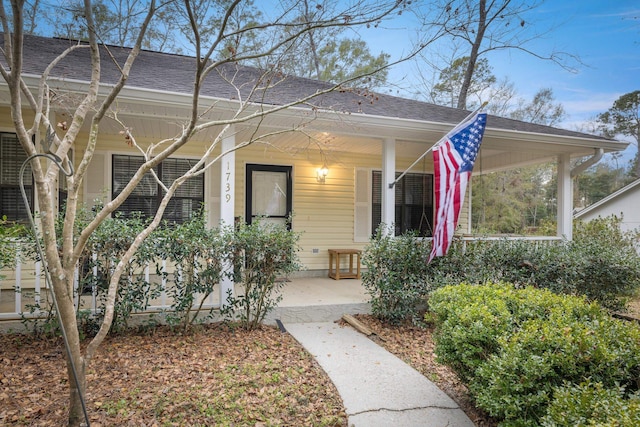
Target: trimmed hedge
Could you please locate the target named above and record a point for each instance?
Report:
(600, 263)
(516, 347)
(590, 404)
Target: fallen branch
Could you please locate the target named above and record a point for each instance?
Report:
(359, 325)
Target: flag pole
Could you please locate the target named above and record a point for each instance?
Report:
(391, 185)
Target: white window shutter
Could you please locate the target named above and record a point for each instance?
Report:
(212, 202)
(362, 213)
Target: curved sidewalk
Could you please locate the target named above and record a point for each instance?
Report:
(377, 388)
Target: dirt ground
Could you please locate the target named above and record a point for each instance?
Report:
(215, 376)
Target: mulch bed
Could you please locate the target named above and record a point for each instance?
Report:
(213, 376)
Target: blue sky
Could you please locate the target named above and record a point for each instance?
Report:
(606, 37)
(605, 34)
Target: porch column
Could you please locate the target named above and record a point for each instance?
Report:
(388, 176)
(565, 197)
(227, 203)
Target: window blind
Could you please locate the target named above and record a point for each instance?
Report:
(146, 197)
(12, 156)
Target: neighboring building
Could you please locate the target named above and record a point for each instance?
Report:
(624, 203)
(365, 140)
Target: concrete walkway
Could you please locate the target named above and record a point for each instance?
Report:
(378, 389)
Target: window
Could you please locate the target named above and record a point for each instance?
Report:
(414, 203)
(147, 195)
(12, 156)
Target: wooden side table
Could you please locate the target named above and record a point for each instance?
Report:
(334, 254)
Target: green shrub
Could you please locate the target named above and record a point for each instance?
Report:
(591, 404)
(600, 263)
(518, 381)
(514, 347)
(7, 244)
(471, 319)
(103, 251)
(109, 243)
(265, 251)
(611, 273)
(395, 275)
(198, 255)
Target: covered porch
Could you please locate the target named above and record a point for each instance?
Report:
(263, 159)
(304, 299)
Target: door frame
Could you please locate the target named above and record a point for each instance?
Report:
(255, 167)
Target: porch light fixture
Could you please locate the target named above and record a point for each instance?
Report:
(321, 173)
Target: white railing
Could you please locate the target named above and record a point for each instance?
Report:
(27, 297)
(534, 239)
(16, 301)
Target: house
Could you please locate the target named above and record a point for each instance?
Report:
(362, 140)
(624, 203)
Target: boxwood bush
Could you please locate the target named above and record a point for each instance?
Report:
(471, 319)
(516, 347)
(590, 404)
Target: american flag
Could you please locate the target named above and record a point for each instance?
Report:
(453, 158)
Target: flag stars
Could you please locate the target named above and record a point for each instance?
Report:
(460, 148)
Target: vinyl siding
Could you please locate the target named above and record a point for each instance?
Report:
(324, 214)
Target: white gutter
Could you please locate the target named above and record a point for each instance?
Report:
(597, 155)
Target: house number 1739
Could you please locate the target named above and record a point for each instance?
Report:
(227, 186)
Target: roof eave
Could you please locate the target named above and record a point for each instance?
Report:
(359, 124)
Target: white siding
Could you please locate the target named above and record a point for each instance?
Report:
(626, 204)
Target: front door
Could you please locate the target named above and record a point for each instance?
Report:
(268, 193)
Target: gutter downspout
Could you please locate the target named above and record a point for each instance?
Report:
(597, 155)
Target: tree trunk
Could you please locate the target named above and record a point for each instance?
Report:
(473, 56)
(312, 43)
(62, 283)
(77, 379)
(76, 413)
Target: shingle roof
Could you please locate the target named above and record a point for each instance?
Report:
(175, 73)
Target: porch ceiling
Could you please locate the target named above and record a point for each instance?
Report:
(154, 115)
(336, 133)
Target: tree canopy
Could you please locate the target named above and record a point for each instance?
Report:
(476, 28)
(623, 118)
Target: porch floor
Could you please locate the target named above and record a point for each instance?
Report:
(320, 299)
(304, 299)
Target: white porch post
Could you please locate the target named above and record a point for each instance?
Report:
(565, 197)
(388, 176)
(227, 204)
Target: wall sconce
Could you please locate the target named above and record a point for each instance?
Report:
(321, 173)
